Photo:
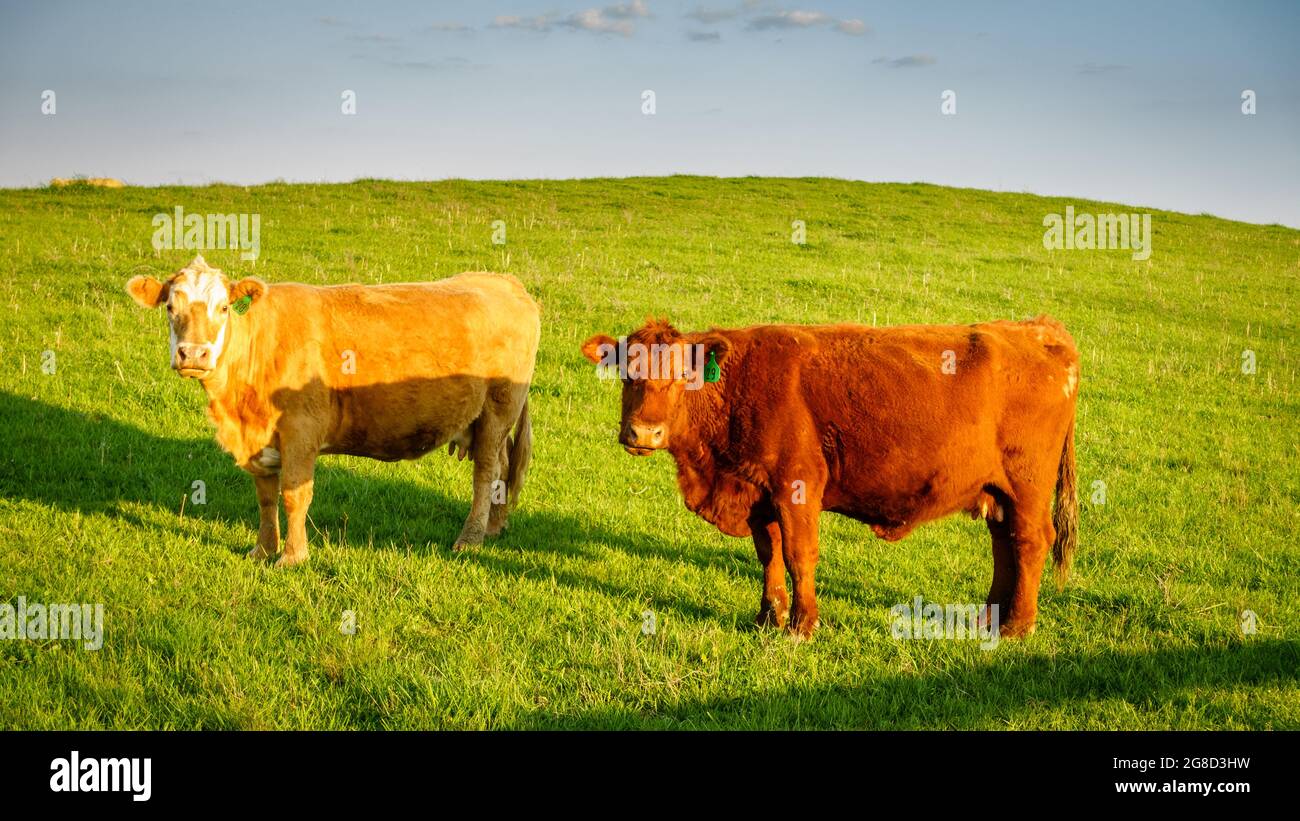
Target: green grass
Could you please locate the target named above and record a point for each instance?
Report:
(541, 627)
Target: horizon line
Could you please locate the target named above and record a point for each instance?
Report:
(82, 181)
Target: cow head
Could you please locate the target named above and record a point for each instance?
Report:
(198, 299)
(658, 367)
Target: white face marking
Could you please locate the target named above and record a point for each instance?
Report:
(216, 347)
(207, 286)
(1071, 380)
(203, 286)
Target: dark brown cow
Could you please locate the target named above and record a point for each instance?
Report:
(890, 426)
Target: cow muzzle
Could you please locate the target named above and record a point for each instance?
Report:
(642, 440)
(193, 361)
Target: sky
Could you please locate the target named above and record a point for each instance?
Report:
(1135, 103)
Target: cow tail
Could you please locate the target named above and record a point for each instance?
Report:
(1066, 516)
(521, 452)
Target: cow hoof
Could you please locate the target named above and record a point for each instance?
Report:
(257, 554)
(769, 616)
(291, 559)
(496, 529)
(986, 616)
(803, 630)
(1016, 630)
(470, 536)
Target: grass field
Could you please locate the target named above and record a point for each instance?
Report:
(541, 628)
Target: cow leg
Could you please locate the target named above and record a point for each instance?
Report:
(1004, 565)
(1033, 536)
(497, 516)
(297, 471)
(1020, 544)
(268, 506)
(774, 607)
(798, 525)
(489, 432)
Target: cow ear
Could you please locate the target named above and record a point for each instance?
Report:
(250, 287)
(715, 344)
(147, 291)
(596, 348)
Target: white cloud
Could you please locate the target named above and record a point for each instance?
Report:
(615, 19)
(510, 21)
(627, 11)
(789, 20)
(709, 16)
(595, 20)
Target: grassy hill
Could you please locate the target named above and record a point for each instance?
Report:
(542, 626)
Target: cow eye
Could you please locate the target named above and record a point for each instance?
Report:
(225, 309)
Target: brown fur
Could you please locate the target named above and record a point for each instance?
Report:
(434, 361)
(863, 421)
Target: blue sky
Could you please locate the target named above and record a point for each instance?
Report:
(1137, 103)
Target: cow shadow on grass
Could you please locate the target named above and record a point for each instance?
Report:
(94, 464)
(1017, 691)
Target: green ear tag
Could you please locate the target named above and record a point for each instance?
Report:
(241, 305)
(712, 370)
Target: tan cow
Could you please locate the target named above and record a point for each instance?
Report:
(385, 371)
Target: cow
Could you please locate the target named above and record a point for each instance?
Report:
(892, 427)
(384, 371)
